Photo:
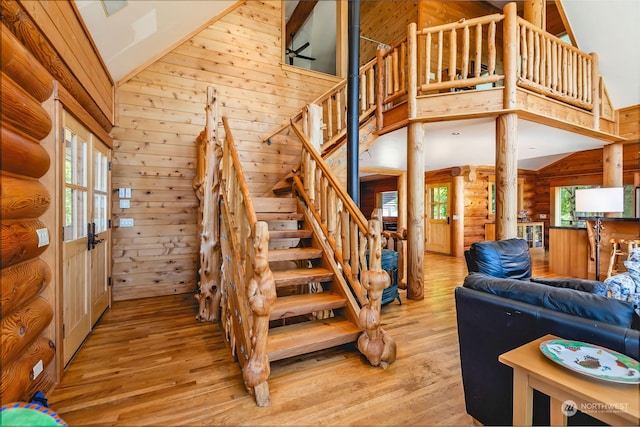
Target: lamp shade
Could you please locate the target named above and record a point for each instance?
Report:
(600, 200)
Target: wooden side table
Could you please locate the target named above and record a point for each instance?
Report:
(612, 403)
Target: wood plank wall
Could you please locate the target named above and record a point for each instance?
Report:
(386, 22)
(369, 190)
(160, 112)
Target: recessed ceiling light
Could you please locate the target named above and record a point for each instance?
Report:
(455, 133)
(532, 148)
(112, 6)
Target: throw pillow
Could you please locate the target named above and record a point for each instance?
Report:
(626, 286)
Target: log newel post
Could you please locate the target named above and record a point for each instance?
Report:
(207, 187)
(374, 342)
(415, 179)
(510, 45)
(261, 294)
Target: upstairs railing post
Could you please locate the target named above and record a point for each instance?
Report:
(595, 90)
(510, 45)
(380, 92)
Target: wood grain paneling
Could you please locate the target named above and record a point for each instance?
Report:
(161, 112)
(386, 22)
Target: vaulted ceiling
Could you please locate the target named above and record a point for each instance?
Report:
(144, 29)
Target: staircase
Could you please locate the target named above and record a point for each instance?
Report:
(298, 269)
(310, 313)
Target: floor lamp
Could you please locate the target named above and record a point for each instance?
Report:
(599, 200)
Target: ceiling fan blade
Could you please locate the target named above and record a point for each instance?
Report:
(306, 57)
(301, 48)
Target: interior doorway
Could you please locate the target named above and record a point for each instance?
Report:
(437, 218)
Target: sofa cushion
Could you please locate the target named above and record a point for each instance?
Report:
(590, 286)
(570, 301)
(502, 258)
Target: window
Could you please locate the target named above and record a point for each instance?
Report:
(389, 203)
(567, 205)
(75, 186)
(310, 30)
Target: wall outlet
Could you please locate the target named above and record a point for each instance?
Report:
(43, 237)
(542, 216)
(126, 222)
(37, 369)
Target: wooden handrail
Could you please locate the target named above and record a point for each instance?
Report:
(496, 17)
(252, 285)
(242, 183)
(349, 204)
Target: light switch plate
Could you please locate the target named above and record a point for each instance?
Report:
(43, 237)
(126, 222)
(125, 203)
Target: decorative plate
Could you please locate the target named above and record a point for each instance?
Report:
(592, 360)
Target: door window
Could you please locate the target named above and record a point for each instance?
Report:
(439, 203)
(75, 186)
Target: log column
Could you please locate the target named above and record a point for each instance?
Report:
(612, 158)
(506, 176)
(415, 180)
(457, 232)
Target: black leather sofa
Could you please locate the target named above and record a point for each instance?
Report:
(501, 307)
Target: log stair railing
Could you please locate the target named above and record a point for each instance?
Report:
(280, 288)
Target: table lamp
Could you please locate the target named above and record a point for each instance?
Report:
(595, 201)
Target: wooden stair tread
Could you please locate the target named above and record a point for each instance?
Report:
(294, 254)
(302, 276)
(274, 204)
(306, 337)
(279, 216)
(297, 305)
(289, 234)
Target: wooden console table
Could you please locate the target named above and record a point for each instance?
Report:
(532, 370)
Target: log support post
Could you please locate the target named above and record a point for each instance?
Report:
(612, 159)
(506, 176)
(457, 231)
(415, 179)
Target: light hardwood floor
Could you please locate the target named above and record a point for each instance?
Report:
(149, 362)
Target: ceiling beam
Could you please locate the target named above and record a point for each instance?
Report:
(298, 18)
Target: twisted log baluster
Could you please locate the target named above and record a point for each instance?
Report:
(262, 297)
(375, 343)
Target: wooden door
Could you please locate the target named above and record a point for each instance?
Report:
(437, 219)
(100, 237)
(86, 235)
(75, 272)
